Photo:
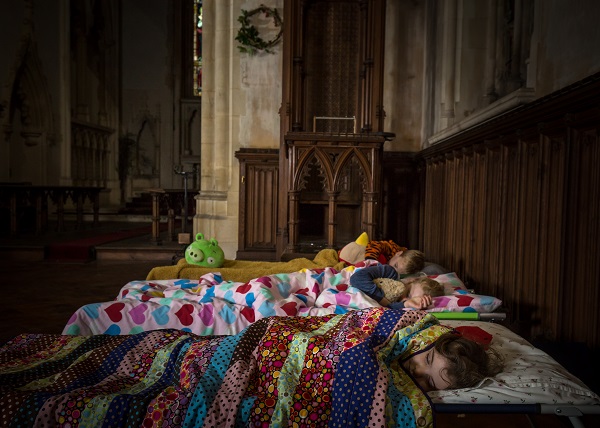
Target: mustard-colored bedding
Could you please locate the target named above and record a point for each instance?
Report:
(244, 270)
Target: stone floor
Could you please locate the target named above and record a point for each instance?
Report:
(39, 296)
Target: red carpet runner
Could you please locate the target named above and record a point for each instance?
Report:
(83, 250)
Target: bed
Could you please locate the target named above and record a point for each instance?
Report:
(330, 370)
(532, 382)
(213, 305)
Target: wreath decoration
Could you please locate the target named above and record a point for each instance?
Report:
(248, 37)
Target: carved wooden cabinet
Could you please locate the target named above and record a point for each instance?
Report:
(332, 124)
(334, 189)
(259, 181)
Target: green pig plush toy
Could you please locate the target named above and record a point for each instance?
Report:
(205, 253)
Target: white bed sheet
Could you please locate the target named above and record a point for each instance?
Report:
(530, 375)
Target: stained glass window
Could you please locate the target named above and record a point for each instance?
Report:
(197, 47)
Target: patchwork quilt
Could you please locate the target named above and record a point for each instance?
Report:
(333, 370)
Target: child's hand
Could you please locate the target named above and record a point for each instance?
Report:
(418, 302)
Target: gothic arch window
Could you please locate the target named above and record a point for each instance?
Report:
(197, 48)
(189, 20)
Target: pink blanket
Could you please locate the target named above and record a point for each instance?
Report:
(211, 306)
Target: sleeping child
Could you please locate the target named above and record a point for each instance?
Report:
(454, 361)
(381, 283)
(405, 261)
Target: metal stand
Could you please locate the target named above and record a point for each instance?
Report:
(179, 170)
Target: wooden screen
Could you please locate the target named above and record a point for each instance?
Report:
(259, 181)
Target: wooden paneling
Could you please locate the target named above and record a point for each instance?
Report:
(513, 207)
(400, 203)
(259, 181)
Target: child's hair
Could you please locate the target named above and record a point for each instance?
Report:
(430, 286)
(468, 362)
(414, 261)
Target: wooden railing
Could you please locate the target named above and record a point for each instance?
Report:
(171, 202)
(16, 199)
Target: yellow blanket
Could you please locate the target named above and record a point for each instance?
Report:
(244, 271)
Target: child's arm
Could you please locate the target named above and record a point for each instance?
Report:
(363, 280)
(395, 305)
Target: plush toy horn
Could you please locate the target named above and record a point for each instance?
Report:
(354, 252)
(363, 239)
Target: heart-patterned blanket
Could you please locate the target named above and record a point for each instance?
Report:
(212, 306)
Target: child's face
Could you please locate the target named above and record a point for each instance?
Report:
(428, 369)
(398, 262)
(416, 290)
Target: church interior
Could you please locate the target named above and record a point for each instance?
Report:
(467, 129)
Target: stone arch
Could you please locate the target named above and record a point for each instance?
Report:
(27, 118)
(30, 95)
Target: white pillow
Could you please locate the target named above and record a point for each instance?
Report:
(530, 375)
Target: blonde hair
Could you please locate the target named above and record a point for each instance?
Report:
(414, 261)
(430, 286)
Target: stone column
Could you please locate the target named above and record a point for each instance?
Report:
(213, 202)
(515, 79)
(489, 83)
(222, 98)
(449, 60)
